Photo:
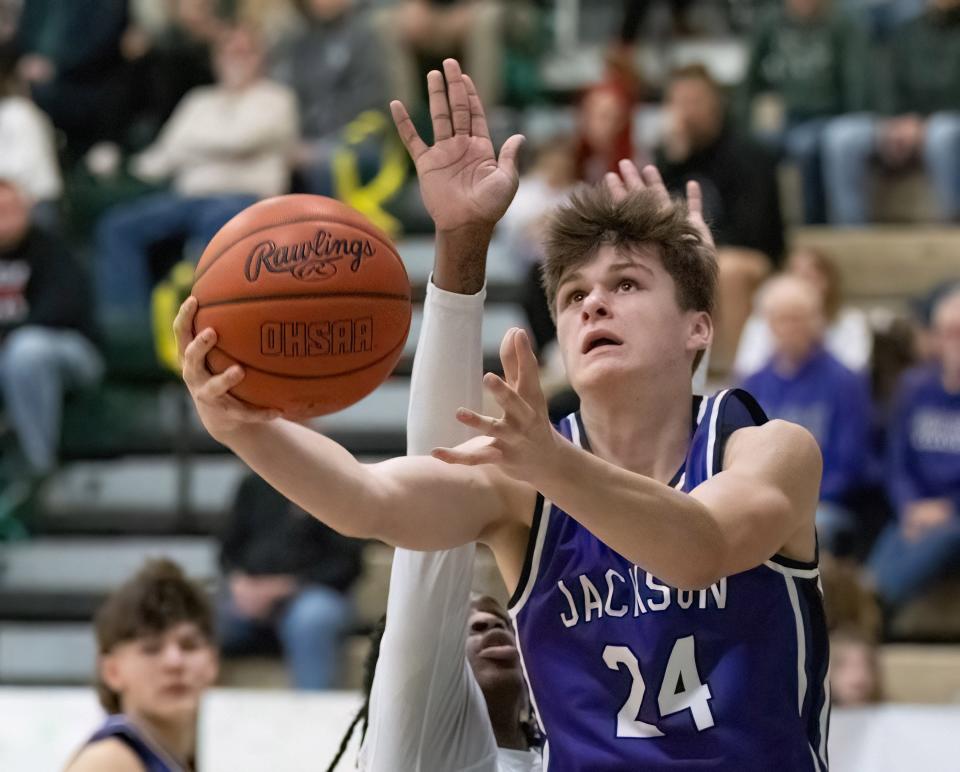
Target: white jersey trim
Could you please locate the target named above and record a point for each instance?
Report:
(799, 573)
(712, 436)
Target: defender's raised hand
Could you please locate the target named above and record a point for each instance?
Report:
(632, 179)
(461, 181)
(520, 442)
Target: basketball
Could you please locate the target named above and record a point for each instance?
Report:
(309, 297)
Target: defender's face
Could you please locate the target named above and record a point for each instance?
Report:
(162, 675)
(492, 648)
(617, 316)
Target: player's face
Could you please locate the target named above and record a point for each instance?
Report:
(492, 648)
(617, 316)
(162, 675)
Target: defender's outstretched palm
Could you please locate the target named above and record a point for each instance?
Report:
(461, 181)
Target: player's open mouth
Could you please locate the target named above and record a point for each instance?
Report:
(599, 339)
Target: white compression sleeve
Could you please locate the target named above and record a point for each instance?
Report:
(427, 712)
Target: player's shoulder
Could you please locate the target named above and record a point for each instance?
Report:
(780, 442)
(108, 755)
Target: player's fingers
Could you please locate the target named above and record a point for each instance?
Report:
(183, 325)
(482, 423)
(217, 386)
(478, 118)
(630, 174)
(653, 181)
(457, 96)
(615, 185)
(513, 405)
(195, 372)
(508, 155)
(528, 380)
(508, 357)
(439, 107)
(694, 198)
(487, 454)
(415, 146)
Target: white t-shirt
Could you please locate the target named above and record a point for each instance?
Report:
(29, 157)
(427, 713)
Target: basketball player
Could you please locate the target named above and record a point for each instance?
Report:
(155, 641)
(662, 547)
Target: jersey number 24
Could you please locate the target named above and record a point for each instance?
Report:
(681, 689)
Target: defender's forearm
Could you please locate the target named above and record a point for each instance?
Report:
(461, 260)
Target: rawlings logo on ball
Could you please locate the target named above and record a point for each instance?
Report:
(308, 260)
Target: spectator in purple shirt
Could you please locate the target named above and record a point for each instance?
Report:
(923, 475)
(804, 383)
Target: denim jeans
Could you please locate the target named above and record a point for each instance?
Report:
(801, 142)
(38, 365)
(126, 233)
(902, 569)
(849, 143)
(308, 628)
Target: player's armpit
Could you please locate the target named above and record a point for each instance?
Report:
(764, 501)
(109, 755)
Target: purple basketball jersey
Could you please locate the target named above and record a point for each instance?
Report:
(627, 673)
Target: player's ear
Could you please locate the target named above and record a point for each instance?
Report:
(111, 671)
(700, 331)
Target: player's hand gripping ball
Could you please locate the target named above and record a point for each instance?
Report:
(310, 298)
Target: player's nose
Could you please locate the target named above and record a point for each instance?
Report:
(595, 305)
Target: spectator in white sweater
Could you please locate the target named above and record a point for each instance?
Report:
(225, 146)
(848, 336)
(28, 157)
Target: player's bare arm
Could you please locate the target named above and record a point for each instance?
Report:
(405, 502)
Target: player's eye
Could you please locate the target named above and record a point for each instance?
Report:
(575, 296)
(626, 285)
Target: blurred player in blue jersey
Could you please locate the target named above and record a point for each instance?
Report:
(662, 547)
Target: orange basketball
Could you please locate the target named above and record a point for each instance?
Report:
(309, 297)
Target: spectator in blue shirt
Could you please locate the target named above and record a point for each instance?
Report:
(804, 383)
(923, 475)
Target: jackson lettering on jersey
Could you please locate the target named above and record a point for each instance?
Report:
(628, 673)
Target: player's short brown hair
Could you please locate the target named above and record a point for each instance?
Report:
(157, 598)
(592, 219)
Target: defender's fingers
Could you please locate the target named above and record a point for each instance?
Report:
(473, 457)
(631, 175)
(195, 372)
(457, 96)
(508, 357)
(508, 155)
(183, 326)
(415, 146)
(478, 118)
(615, 185)
(439, 107)
(653, 180)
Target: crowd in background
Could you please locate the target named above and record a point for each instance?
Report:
(132, 130)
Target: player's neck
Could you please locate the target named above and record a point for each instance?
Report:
(646, 431)
(176, 738)
(506, 727)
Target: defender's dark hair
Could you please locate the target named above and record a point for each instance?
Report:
(157, 598)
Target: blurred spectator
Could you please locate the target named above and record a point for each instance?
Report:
(922, 123)
(549, 181)
(71, 60)
(421, 33)
(334, 65)
(854, 669)
(740, 196)
(156, 658)
(847, 336)
(805, 384)
(46, 331)
(924, 471)
(9, 17)
(169, 45)
(29, 158)
(225, 146)
(813, 60)
(605, 131)
(287, 578)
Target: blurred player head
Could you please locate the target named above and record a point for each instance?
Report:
(14, 215)
(238, 58)
(946, 336)
(854, 670)
(155, 646)
(632, 288)
(794, 311)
